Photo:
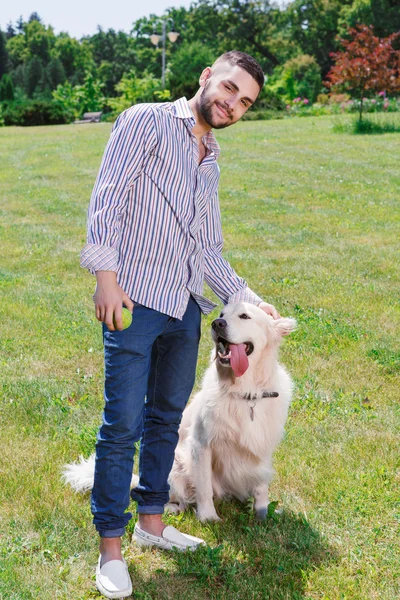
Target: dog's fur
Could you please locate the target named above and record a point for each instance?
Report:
(222, 452)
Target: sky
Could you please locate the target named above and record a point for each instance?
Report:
(81, 17)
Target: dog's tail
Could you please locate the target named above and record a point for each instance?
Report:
(80, 475)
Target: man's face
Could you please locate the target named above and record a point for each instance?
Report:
(227, 94)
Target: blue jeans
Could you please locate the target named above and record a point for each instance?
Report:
(149, 374)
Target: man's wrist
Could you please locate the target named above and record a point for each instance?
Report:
(106, 276)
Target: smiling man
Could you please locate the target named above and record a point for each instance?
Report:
(154, 237)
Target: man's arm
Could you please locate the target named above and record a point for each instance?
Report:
(218, 273)
(132, 138)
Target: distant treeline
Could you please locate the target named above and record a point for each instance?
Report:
(48, 78)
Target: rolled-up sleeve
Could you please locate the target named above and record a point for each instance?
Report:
(218, 273)
(132, 138)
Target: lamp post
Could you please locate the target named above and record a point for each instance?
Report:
(155, 38)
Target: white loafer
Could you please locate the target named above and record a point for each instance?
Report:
(113, 580)
(170, 538)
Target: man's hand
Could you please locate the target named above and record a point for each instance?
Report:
(269, 309)
(109, 298)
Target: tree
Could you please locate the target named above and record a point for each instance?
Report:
(34, 17)
(6, 89)
(367, 65)
(3, 55)
(55, 73)
(20, 25)
(312, 26)
(132, 90)
(10, 31)
(114, 54)
(383, 15)
(186, 66)
(34, 75)
(39, 40)
(299, 77)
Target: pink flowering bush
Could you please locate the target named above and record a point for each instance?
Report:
(342, 103)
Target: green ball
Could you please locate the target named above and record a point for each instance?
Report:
(126, 318)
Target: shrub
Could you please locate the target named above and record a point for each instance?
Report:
(35, 112)
(323, 99)
(338, 98)
(133, 89)
(269, 100)
(299, 77)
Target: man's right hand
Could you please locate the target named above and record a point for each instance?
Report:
(109, 298)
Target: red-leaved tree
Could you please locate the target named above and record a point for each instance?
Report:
(367, 65)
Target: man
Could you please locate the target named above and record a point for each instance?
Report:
(154, 236)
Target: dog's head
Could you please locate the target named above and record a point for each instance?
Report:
(242, 332)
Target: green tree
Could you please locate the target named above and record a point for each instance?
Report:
(6, 89)
(55, 73)
(3, 54)
(114, 54)
(20, 24)
(34, 17)
(312, 25)
(39, 40)
(34, 75)
(133, 89)
(10, 31)
(90, 94)
(186, 66)
(18, 53)
(299, 77)
(383, 15)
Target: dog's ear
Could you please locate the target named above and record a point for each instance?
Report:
(285, 325)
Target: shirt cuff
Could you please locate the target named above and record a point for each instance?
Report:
(245, 295)
(99, 258)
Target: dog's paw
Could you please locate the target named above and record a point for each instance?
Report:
(261, 513)
(207, 515)
(172, 508)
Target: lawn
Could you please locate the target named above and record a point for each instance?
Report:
(311, 219)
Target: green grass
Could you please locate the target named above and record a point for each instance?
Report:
(371, 124)
(311, 219)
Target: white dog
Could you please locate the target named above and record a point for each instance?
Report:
(232, 426)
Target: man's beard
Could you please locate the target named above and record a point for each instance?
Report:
(205, 108)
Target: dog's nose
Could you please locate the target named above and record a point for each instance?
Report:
(219, 324)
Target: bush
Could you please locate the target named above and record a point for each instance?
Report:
(269, 100)
(36, 112)
(323, 99)
(133, 89)
(263, 115)
(185, 68)
(298, 77)
(338, 98)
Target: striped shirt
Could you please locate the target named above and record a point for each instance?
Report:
(154, 214)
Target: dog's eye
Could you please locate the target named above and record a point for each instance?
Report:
(221, 315)
(244, 316)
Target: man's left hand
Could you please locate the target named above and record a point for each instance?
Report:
(269, 309)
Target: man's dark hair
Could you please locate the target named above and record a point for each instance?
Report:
(245, 61)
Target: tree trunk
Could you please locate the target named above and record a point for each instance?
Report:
(361, 105)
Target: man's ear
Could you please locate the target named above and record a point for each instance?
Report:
(284, 325)
(205, 76)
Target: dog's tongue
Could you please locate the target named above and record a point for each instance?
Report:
(239, 360)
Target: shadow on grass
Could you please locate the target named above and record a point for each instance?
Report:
(252, 560)
(367, 126)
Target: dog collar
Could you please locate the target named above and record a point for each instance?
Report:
(262, 394)
(252, 397)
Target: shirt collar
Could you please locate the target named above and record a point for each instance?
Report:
(182, 110)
